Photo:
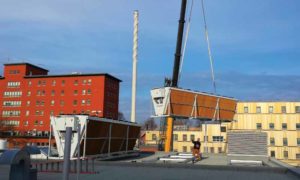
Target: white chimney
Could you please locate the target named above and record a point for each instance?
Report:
(134, 66)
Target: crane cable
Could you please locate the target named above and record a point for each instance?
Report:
(186, 39)
(217, 112)
(208, 48)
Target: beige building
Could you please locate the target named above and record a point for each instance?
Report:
(280, 120)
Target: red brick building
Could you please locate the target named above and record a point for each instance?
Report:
(29, 96)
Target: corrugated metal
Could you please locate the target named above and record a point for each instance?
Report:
(247, 143)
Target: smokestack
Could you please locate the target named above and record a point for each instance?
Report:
(134, 66)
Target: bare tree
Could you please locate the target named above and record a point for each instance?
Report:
(149, 124)
(121, 117)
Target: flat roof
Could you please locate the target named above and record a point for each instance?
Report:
(73, 75)
(25, 63)
(198, 92)
(269, 101)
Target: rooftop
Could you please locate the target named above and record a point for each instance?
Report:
(147, 166)
(58, 75)
(24, 63)
(73, 75)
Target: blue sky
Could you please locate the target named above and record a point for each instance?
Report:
(255, 44)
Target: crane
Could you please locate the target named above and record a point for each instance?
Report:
(174, 81)
(171, 101)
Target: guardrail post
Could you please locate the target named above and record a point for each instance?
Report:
(67, 151)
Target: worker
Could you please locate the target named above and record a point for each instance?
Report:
(196, 150)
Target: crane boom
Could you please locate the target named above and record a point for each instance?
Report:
(179, 45)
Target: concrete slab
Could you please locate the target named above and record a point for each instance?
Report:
(174, 173)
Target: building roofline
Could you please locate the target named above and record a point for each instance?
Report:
(25, 63)
(270, 101)
(73, 75)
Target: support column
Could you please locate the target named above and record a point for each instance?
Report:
(169, 135)
(127, 136)
(109, 139)
(67, 151)
(78, 150)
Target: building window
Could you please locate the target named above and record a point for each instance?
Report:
(258, 109)
(271, 125)
(272, 154)
(154, 138)
(220, 150)
(217, 138)
(10, 123)
(284, 126)
(63, 82)
(89, 91)
(11, 113)
(192, 137)
(41, 122)
(298, 126)
(28, 103)
(84, 81)
(184, 148)
(25, 123)
(75, 92)
(13, 84)
(272, 141)
(53, 83)
(83, 102)
(76, 82)
(27, 113)
(88, 102)
(39, 83)
(14, 72)
(62, 103)
(271, 109)
(52, 113)
(246, 110)
(29, 83)
(258, 125)
(75, 102)
(62, 92)
(36, 122)
(297, 156)
(89, 81)
(286, 154)
(12, 103)
(184, 137)
(83, 92)
(297, 109)
(28, 93)
(298, 141)
(223, 129)
(285, 141)
(12, 93)
(283, 109)
(212, 150)
(175, 137)
(53, 93)
(52, 102)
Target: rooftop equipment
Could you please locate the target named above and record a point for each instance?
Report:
(99, 136)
